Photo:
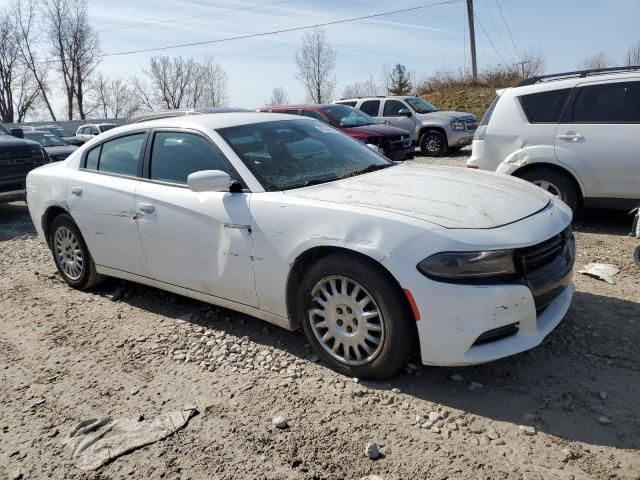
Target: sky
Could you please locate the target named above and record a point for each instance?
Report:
(564, 32)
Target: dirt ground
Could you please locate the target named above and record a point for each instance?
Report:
(126, 350)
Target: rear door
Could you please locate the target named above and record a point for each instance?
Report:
(101, 201)
(599, 138)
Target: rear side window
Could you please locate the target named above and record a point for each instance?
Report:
(122, 155)
(371, 107)
(608, 103)
(392, 108)
(545, 107)
(175, 155)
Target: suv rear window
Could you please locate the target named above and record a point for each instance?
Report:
(545, 107)
(608, 103)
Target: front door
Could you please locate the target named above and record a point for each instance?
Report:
(100, 196)
(195, 240)
(391, 115)
(598, 138)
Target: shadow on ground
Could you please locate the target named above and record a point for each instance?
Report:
(559, 382)
(600, 221)
(15, 221)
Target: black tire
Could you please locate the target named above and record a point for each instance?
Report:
(433, 143)
(398, 337)
(88, 277)
(556, 183)
(454, 149)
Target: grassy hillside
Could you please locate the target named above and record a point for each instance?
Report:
(474, 99)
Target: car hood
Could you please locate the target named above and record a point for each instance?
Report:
(13, 144)
(446, 196)
(378, 130)
(449, 115)
(61, 150)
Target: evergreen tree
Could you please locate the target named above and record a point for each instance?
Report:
(399, 80)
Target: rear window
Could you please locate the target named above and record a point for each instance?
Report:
(487, 116)
(545, 107)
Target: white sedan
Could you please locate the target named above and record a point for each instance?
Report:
(293, 222)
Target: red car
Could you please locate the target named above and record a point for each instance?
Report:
(393, 142)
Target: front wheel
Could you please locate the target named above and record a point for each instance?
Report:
(433, 143)
(356, 318)
(71, 254)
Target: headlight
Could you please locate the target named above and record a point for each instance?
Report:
(461, 266)
(458, 125)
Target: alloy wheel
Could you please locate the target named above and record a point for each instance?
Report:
(549, 187)
(346, 320)
(68, 253)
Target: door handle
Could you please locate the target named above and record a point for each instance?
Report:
(146, 208)
(76, 191)
(571, 136)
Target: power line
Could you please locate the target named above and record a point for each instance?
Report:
(508, 29)
(284, 30)
(192, 17)
(489, 38)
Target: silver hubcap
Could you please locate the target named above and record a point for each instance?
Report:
(346, 320)
(549, 187)
(433, 144)
(68, 253)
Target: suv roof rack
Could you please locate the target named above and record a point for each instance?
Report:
(364, 96)
(576, 74)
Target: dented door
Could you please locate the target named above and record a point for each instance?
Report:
(200, 241)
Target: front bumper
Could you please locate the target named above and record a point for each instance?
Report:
(465, 324)
(459, 138)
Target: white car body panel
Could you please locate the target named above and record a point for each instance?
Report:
(236, 250)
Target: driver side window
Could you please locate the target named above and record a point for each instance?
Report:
(392, 108)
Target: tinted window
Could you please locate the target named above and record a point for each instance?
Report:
(176, 155)
(92, 158)
(295, 153)
(608, 103)
(371, 107)
(544, 107)
(392, 108)
(122, 155)
(287, 111)
(487, 116)
(316, 115)
(104, 128)
(350, 103)
(94, 130)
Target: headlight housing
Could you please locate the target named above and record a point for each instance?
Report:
(469, 266)
(458, 125)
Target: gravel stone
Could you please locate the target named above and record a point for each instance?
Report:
(457, 377)
(279, 422)
(527, 430)
(372, 451)
(604, 420)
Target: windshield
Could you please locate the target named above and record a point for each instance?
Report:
(348, 117)
(289, 154)
(3, 131)
(420, 105)
(104, 128)
(45, 139)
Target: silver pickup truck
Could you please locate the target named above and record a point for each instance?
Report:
(435, 132)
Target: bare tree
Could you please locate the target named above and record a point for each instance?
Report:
(316, 64)
(214, 85)
(142, 94)
(75, 46)
(530, 65)
(8, 67)
(26, 28)
(633, 56)
(598, 61)
(278, 97)
(113, 98)
(367, 88)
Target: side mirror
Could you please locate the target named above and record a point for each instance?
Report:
(17, 132)
(209, 181)
(405, 112)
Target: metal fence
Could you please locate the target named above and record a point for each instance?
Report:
(68, 125)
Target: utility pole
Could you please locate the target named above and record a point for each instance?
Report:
(522, 64)
(472, 39)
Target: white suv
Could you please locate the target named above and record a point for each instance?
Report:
(90, 130)
(575, 134)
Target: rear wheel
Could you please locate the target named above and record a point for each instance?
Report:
(555, 183)
(355, 317)
(71, 254)
(433, 143)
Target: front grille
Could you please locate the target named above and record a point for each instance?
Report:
(538, 256)
(497, 334)
(15, 161)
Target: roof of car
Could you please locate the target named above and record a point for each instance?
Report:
(310, 106)
(221, 120)
(559, 82)
(375, 97)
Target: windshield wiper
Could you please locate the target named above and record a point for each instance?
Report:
(369, 169)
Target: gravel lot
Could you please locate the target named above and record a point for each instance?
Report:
(568, 409)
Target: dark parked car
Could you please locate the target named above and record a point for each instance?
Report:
(62, 133)
(393, 142)
(55, 147)
(17, 157)
(181, 112)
